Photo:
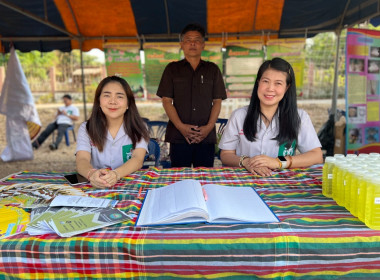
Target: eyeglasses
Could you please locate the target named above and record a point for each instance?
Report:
(196, 41)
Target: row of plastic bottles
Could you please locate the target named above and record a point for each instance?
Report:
(353, 181)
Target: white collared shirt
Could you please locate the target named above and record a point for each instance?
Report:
(115, 151)
(234, 139)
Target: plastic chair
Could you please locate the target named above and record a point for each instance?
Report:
(157, 129)
(67, 138)
(220, 126)
(153, 151)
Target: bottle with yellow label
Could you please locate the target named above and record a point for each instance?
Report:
(372, 207)
(327, 176)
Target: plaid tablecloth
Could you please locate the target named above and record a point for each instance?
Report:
(316, 238)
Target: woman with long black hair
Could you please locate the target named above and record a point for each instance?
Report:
(265, 135)
(114, 141)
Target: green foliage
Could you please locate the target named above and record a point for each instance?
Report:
(36, 64)
(90, 92)
(320, 64)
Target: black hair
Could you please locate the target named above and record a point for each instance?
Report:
(193, 27)
(289, 119)
(134, 126)
(68, 96)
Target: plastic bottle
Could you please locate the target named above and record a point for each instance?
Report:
(374, 155)
(351, 156)
(372, 207)
(339, 156)
(363, 155)
(357, 178)
(362, 198)
(348, 185)
(335, 170)
(341, 182)
(327, 176)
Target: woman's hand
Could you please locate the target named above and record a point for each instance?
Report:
(103, 178)
(262, 171)
(263, 161)
(261, 165)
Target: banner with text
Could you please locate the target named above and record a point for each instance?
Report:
(292, 50)
(123, 59)
(157, 56)
(213, 53)
(243, 59)
(362, 91)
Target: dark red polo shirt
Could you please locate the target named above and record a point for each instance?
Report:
(192, 93)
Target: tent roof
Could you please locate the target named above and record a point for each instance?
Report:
(47, 25)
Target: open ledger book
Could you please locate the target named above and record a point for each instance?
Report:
(189, 202)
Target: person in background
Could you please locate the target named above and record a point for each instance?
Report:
(192, 91)
(264, 136)
(114, 140)
(64, 118)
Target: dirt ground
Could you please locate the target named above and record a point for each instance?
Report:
(63, 159)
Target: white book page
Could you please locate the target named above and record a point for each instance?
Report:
(229, 204)
(173, 203)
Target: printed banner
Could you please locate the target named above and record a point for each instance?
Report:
(243, 60)
(213, 53)
(157, 56)
(292, 51)
(362, 91)
(123, 59)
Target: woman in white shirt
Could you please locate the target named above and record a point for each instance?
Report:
(114, 141)
(265, 135)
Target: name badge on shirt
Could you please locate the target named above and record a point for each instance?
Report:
(287, 149)
(127, 152)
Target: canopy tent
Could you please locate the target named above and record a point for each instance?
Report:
(64, 25)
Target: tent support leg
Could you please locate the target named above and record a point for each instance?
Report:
(83, 86)
(335, 87)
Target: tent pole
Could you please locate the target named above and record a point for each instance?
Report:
(83, 87)
(335, 87)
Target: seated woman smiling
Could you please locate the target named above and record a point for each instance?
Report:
(114, 141)
(265, 135)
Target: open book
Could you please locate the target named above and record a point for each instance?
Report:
(189, 202)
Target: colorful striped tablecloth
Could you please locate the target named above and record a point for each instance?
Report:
(316, 238)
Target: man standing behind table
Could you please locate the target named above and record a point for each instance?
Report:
(64, 118)
(192, 91)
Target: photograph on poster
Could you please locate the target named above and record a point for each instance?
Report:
(373, 66)
(356, 65)
(374, 52)
(352, 112)
(357, 114)
(373, 87)
(355, 136)
(371, 135)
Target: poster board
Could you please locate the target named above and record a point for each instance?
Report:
(157, 56)
(123, 60)
(292, 51)
(243, 59)
(362, 91)
(213, 52)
